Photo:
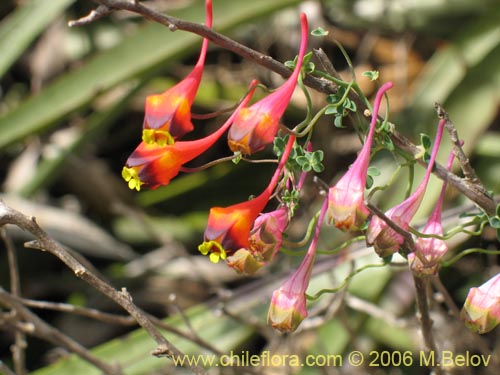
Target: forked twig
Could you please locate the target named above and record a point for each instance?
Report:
(18, 349)
(31, 324)
(122, 298)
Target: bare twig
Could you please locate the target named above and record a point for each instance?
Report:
(326, 63)
(122, 298)
(373, 310)
(464, 186)
(455, 312)
(223, 41)
(35, 326)
(425, 319)
(99, 12)
(453, 308)
(18, 349)
(467, 169)
(124, 320)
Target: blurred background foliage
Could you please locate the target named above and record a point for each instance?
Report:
(71, 110)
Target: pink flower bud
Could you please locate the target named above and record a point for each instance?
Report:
(386, 240)
(265, 240)
(288, 303)
(429, 251)
(481, 311)
(346, 204)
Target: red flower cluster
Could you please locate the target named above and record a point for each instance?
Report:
(246, 237)
(160, 156)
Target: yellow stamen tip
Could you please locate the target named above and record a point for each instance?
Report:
(130, 175)
(159, 137)
(215, 249)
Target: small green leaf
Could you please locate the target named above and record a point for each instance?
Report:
(309, 67)
(352, 106)
(319, 31)
(279, 146)
(371, 74)
(290, 64)
(318, 155)
(237, 157)
(495, 222)
(302, 160)
(332, 99)
(318, 167)
(369, 181)
(426, 157)
(387, 142)
(373, 171)
(426, 141)
(331, 110)
(306, 60)
(338, 122)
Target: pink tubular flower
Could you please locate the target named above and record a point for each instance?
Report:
(429, 251)
(168, 115)
(288, 303)
(228, 228)
(265, 240)
(346, 203)
(481, 311)
(256, 126)
(384, 239)
(152, 165)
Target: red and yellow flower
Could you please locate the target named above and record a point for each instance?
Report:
(152, 165)
(228, 228)
(168, 115)
(256, 126)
